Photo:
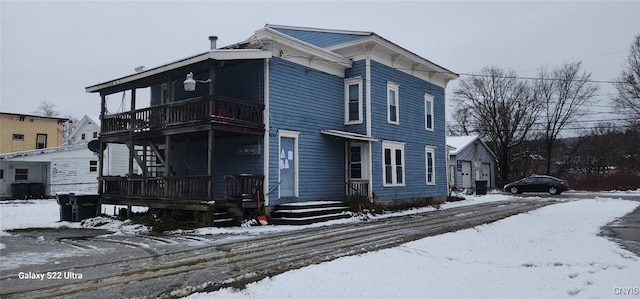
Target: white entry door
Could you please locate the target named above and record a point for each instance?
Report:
(486, 173)
(466, 174)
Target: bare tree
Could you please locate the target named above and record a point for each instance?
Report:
(462, 123)
(47, 109)
(628, 99)
(501, 108)
(564, 92)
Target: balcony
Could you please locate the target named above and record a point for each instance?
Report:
(222, 113)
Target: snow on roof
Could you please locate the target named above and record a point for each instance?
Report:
(460, 142)
(43, 151)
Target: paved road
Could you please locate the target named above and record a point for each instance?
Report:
(94, 264)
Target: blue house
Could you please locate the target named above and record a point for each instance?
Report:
(291, 114)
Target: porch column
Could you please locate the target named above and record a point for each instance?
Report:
(210, 166)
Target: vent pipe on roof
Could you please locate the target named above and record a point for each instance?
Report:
(213, 40)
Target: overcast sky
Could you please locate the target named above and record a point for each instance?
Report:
(51, 51)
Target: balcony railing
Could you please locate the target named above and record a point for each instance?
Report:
(181, 113)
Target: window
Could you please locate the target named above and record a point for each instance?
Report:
(393, 159)
(41, 141)
(22, 174)
(18, 137)
(393, 110)
(83, 136)
(1, 174)
(353, 101)
(93, 166)
(430, 154)
(356, 162)
(428, 112)
(95, 134)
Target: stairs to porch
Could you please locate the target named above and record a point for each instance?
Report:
(304, 213)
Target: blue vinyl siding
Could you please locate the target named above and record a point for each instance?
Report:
(358, 70)
(411, 131)
(307, 101)
(318, 38)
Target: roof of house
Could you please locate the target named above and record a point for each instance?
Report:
(324, 46)
(43, 151)
(38, 116)
(462, 142)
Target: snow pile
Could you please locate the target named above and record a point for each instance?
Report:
(552, 252)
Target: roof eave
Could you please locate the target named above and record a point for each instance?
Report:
(236, 54)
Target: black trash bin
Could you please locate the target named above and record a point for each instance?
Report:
(84, 206)
(481, 187)
(20, 190)
(65, 206)
(36, 190)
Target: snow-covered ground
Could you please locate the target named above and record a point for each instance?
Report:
(552, 252)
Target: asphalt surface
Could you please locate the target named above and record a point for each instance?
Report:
(87, 263)
(96, 264)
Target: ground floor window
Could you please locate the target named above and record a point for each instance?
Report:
(430, 154)
(22, 174)
(393, 163)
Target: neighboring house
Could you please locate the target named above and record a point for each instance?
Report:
(298, 114)
(84, 131)
(44, 172)
(471, 161)
(23, 132)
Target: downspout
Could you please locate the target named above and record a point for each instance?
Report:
(265, 143)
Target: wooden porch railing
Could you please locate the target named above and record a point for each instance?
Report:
(193, 187)
(243, 186)
(358, 187)
(196, 110)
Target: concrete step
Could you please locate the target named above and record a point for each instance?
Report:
(309, 212)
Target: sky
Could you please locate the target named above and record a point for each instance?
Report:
(52, 50)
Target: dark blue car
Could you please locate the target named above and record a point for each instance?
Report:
(538, 183)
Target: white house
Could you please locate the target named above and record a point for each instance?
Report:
(471, 160)
(44, 172)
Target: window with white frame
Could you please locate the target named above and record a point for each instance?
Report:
(430, 153)
(393, 107)
(353, 101)
(428, 112)
(393, 160)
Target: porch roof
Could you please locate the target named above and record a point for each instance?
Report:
(348, 135)
(235, 54)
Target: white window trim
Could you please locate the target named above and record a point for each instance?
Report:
(428, 103)
(395, 87)
(430, 149)
(347, 83)
(295, 136)
(393, 145)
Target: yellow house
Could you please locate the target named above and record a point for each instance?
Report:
(22, 132)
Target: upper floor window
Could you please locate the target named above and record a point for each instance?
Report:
(41, 141)
(83, 136)
(95, 134)
(353, 101)
(430, 154)
(428, 112)
(393, 159)
(393, 108)
(93, 166)
(18, 137)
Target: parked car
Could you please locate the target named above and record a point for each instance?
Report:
(538, 183)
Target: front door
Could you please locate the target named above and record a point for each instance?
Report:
(358, 168)
(287, 167)
(486, 174)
